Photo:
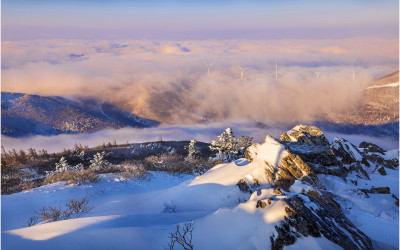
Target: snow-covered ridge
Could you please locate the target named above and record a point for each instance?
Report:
(396, 84)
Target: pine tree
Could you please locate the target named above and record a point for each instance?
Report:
(98, 160)
(244, 142)
(192, 150)
(62, 165)
(229, 147)
(226, 145)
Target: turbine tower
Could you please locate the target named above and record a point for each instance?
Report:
(354, 75)
(242, 69)
(208, 65)
(276, 72)
(317, 74)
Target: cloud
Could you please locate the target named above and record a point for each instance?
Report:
(204, 133)
(167, 80)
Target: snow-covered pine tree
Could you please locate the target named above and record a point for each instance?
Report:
(192, 150)
(227, 145)
(99, 160)
(62, 165)
(243, 143)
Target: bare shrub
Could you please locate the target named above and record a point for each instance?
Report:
(132, 170)
(51, 214)
(182, 237)
(76, 206)
(76, 177)
(32, 221)
(176, 164)
(14, 185)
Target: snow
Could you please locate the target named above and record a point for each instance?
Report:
(376, 216)
(270, 151)
(298, 186)
(132, 213)
(396, 84)
(391, 154)
(52, 230)
(351, 149)
(139, 214)
(320, 243)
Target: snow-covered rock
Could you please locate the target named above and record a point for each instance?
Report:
(346, 151)
(276, 163)
(308, 216)
(305, 134)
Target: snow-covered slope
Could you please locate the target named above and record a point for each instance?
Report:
(271, 200)
(23, 114)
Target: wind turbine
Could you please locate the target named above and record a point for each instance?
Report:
(354, 75)
(208, 65)
(317, 74)
(276, 72)
(242, 71)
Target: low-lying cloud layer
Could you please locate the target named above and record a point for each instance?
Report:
(204, 133)
(168, 81)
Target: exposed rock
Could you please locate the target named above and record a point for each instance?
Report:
(318, 154)
(284, 137)
(380, 161)
(360, 170)
(380, 190)
(261, 204)
(382, 171)
(290, 168)
(278, 191)
(376, 190)
(397, 199)
(336, 170)
(325, 197)
(308, 216)
(305, 134)
(283, 171)
(392, 163)
(251, 152)
(247, 187)
(369, 147)
(346, 151)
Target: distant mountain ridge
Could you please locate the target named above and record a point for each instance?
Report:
(24, 114)
(379, 105)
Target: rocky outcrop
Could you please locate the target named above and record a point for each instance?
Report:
(312, 211)
(368, 147)
(308, 216)
(379, 160)
(346, 151)
(305, 134)
(313, 153)
(282, 171)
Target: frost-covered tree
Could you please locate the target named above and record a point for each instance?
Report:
(79, 153)
(192, 150)
(62, 165)
(226, 145)
(229, 147)
(79, 167)
(99, 160)
(244, 142)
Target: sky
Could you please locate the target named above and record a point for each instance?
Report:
(148, 56)
(200, 20)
